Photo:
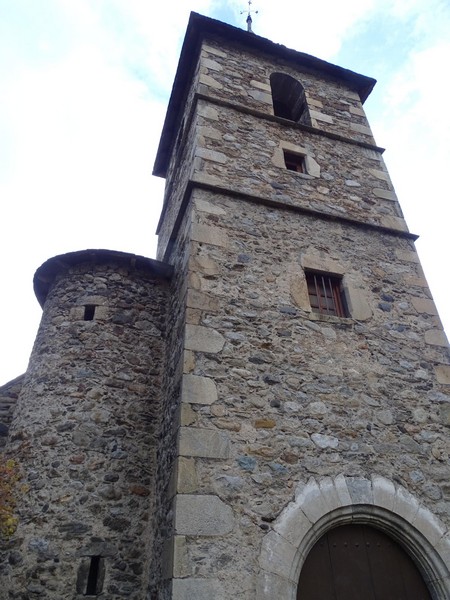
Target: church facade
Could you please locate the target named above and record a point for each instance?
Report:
(264, 410)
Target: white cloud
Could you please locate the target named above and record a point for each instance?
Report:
(316, 28)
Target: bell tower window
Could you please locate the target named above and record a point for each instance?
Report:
(288, 98)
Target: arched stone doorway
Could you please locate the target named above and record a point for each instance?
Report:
(357, 561)
(327, 503)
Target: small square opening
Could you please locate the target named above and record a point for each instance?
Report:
(294, 162)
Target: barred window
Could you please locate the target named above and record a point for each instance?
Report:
(326, 294)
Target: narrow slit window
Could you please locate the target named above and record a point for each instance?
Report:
(294, 162)
(89, 312)
(95, 577)
(326, 294)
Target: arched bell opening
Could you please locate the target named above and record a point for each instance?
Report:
(288, 98)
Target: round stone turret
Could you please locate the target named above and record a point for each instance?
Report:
(85, 427)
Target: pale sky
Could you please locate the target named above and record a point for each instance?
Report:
(84, 86)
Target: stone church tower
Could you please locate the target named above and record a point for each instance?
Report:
(263, 412)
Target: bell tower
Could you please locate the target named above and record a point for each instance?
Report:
(308, 360)
(264, 411)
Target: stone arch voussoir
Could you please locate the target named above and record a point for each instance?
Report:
(322, 504)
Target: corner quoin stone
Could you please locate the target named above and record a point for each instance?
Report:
(202, 515)
(198, 390)
(205, 443)
(200, 589)
(203, 339)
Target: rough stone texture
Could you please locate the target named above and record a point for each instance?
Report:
(85, 434)
(8, 399)
(166, 480)
(199, 390)
(301, 394)
(252, 418)
(208, 443)
(202, 515)
(200, 589)
(200, 338)
(249, 147)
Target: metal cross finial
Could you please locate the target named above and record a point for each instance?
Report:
(249, 16)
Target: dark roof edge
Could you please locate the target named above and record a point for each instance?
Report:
(45, 275)
(198, 28)
(4, 387)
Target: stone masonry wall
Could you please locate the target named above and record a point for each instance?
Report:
(239, 75)
(176, 185)
(171, 417)
(277, 394)
(85, 435)
(273, 394)
(244, 153)
(231, 147)
(179, 171)
(8, 399)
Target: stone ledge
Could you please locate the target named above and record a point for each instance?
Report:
(385, 194)
(181, 563)
(212, 155)
(318, 116)
(361, 129)
(207, 234)
(187, 479)
(201, 301)
(210, 82)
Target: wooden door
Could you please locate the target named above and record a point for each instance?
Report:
(358, 562)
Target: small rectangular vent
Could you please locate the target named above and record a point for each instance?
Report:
(89, 312)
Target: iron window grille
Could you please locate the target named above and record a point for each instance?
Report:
(326, 294)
